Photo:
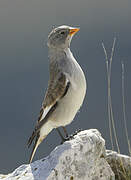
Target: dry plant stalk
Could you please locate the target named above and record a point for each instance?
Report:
(112, 129)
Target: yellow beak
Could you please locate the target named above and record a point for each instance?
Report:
(73, 31)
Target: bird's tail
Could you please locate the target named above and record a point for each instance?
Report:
(39, 138)
(37, 142)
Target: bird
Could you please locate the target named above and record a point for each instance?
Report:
(66, 87)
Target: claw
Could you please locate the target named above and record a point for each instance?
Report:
(70, 137)
(67, 138)
(77, 131)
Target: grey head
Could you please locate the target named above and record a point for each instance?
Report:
(61, 36)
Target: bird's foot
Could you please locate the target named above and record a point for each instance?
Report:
(67, 138)
(70, 137)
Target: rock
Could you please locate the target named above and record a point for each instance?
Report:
(82, 158)
(120, 164)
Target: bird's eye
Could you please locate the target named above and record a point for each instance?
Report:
(62, 32)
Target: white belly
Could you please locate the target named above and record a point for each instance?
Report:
(69, 105)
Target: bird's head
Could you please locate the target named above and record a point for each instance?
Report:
(61, 36)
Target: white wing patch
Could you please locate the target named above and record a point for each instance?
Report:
(46, 110)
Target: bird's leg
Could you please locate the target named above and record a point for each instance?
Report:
(62, 138)
(65, 131)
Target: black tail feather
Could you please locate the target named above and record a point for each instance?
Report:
(31, 139)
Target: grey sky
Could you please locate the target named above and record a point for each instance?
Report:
(24, 26)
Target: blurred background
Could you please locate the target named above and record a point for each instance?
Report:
(24, 27)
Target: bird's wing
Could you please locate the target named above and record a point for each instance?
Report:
(57, 89)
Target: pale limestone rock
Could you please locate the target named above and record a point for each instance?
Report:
(82, 158)
(120, 164)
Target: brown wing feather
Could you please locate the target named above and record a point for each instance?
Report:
(56, 90)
